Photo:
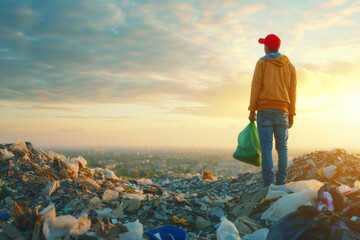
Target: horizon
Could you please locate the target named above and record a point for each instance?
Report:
(294, 152)
(172, 74)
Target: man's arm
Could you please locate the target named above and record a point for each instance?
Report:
(256, 86)
(292, 95)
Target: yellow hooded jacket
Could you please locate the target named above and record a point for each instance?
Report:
(274, 85)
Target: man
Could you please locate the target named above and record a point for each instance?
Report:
(273, 96)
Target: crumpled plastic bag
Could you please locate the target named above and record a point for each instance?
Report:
(88, 182)
(327, 172)
(227, 230)
(20, 145)
(54, 155)
(144, 181)
(106, 172)
(56, 227)
(260, 234)
(134, 196)
(288, 204)
(110, 195)
(248, 149)
(110, 174)
(6, 155)
(80, 160)
(311, 184)
(330, 197)
(136, 231)
(73, 167)
(275, 191)
(246, 225)
(51, 187)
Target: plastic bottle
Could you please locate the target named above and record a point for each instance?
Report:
(227, 230)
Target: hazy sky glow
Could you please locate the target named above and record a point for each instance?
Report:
(172, 73)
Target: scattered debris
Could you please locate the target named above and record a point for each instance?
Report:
(50, 196)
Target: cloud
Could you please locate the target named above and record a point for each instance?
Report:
(40, 107)
(337, 16)
(92, 117)
(189, 57)
(74, 129)
(333, 3)
(22, 129)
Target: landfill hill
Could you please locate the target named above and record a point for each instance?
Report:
(51, 196)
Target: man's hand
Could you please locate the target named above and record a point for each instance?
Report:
(252, 116)
(291, 120)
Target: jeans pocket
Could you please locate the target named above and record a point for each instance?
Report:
(264, 119)
(282, 119)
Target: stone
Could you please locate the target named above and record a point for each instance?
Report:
(246, 225)
(131, 205)
(202, 223)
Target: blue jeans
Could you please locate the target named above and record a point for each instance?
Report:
(273, 123)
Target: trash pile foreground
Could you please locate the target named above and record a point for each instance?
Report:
(49, 196)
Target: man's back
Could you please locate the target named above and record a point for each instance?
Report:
(274, 84)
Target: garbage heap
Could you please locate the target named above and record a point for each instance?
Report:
(336, 164)
(50, 196)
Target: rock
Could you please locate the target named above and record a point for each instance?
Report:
(202, 223)
(131, 205)
(94, 203)
(216, 211)
(246, 225)
(88, 182)
(248, 203)
(110, 195)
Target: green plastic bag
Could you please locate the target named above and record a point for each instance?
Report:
(248, 149)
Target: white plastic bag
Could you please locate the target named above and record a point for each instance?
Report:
(144, 181)
(260, 234)
(6, 155)
(56, 227)
(73, 167)
(134, 196)
(110, 174)
(345, 189)
(87, 182)
(227, 230)
(311, 184)
(327, 172)
(20, 145)
(276, 191)
(53, 155)
(80, 160)
(82, 226)
(51, 187)
(110, 195)
(288, 204)
(135, 232)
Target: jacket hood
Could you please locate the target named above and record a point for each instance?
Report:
(279, 61)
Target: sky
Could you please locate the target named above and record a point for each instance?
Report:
(172, 73)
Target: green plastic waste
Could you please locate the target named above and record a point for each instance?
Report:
(248, 149)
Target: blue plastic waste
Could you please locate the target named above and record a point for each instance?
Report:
(5, 215)
(167, 232)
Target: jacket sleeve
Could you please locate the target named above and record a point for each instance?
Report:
(256, 86)
(292, 93)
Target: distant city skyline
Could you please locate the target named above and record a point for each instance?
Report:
(172, 73)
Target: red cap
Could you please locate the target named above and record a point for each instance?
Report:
(271, 40)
